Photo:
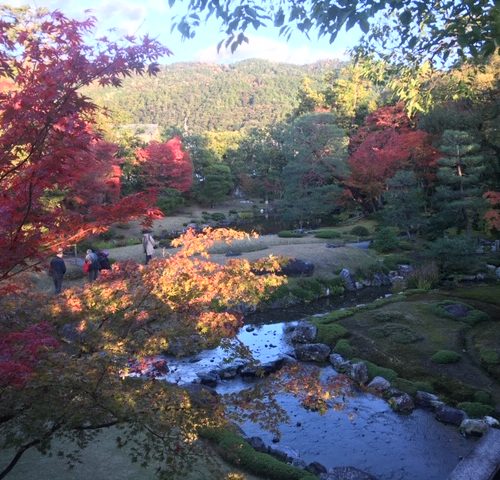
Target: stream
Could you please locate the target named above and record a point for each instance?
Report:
(365, 433)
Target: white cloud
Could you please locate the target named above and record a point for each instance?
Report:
(269, 49)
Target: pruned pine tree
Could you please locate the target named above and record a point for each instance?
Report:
(458, 196)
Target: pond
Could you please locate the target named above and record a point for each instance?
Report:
(365, 433)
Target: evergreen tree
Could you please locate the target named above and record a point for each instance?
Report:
(458, 196)
(215, 184)
(316, 153)
(404, 202)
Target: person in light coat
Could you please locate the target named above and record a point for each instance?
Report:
(148, 245)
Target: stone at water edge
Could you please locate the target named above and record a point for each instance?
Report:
(492, 422)
(402, 403)
(336, 360)
(304, 332)
(379, 384)
(358, 372)
(425, 399)
(347, 279)
(446, 414)
(312, 352)
(258, 444)
(316, 468)
(347, 473)
(473, 426)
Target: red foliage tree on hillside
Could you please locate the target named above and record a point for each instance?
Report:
(166, 165)
(47, 144)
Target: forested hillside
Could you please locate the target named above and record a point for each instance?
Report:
(198, 97)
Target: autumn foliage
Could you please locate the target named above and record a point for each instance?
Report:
(385, 144)
(84, 345)
(50, 154)
(166, 165)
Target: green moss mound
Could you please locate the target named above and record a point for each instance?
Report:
(489, 357)
(344, 348)
(472, 317)
(330, 333)
(378, 371)
(396, 332)
(238, 452)
(445, 356)
(476, 409)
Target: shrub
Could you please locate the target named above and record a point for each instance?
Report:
(385, 240)
(169, 200)
(490, 357)
(423, 277)
(344, 348)
(327, 233)
(476, 409)
(218, 217)
(445, 356)
(483, 397)
(360, 231)
(392, 260)
(330, 333)
(454, 255)
(472, 317)
(291, 234)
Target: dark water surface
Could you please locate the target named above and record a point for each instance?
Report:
(365, 433)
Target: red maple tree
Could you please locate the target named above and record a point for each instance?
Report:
(385, 144)
(166, 165)
(48, 147)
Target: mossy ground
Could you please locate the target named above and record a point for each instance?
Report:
(404, 335)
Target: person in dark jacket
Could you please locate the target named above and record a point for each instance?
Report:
(57, 269)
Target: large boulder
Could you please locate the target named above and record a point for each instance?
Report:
(312, 352)
(358, 372)
(210, 379)
(258, 444)
(426, 399)
(316, 468)
(304, 332)
(379, 385)
(402, 403)
(202, 396)
(347, 473)
(380, 279)
(473, 426)
(451, 415)
(297, 268)
(347, 279)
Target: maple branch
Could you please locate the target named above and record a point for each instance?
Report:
(25, 447)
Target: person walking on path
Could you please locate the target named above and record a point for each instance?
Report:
(57, 269)
(148, 244)
(93, 265)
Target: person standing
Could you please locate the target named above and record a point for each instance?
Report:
(57, 269)
(93, 265)
(148, 244)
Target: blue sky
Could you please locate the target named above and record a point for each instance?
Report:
(154, 17)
